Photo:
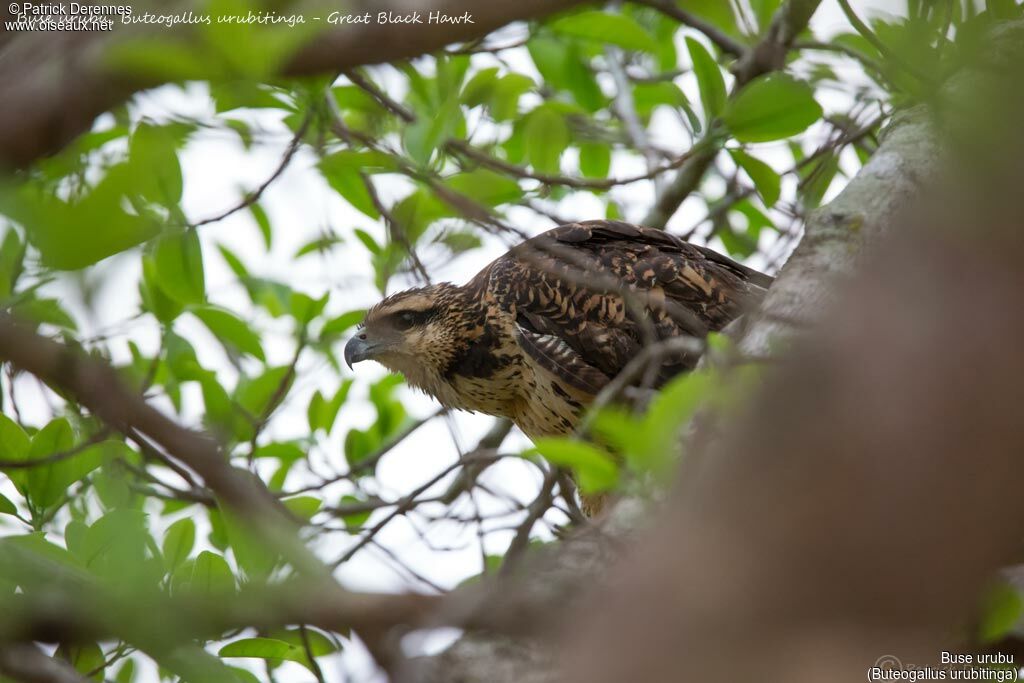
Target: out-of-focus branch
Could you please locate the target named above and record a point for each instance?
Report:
(76, 609)
(768, 55)
(26, 663)
(53, 85)
(723, 40)
(95, 385)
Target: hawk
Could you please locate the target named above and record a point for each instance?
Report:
(537, 334)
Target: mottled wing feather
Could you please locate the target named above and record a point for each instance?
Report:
(565, 288)
(562, 360)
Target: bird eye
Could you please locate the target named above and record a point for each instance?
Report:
(405, 320)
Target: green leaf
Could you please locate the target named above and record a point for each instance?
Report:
(6, 506)
(319, 644)
(716, 12)
(230, 331)
(303, 506)
(163, 60)
(709, 79)
(113, 481)
(342, 171)
(263, 223)
(115, 548)
(265, 648)
(304, 308)
(602, 27)
(73, 235)
(31, 560)
(234, 263)
(565, 68)
(154, 300)
(41, 311)
(75, 538)
(322, 413)
(350, 185)
(12, 253)
(254, 557)
(126, 674)
(505, 98)
(251, 50)
(244, 675)
(674, 404)
(256, 394)
(189, 663)
(416, 212)
(210, 575)
(153, 156)
(595, 159)
(617, 427)
(486, 187)
(14, 445)
(285, 451)
(547, 136)
(319, 245)
(763, 11)
(179, 266)
(355, 520)
(178, 542)
(770, 108)
(648, 96)
(816, 178)
(1001, 612)
(87, 659)
(766, 180)
(596, 470)
(460, 241)
(756, 219)
(273, 296)
(359, 444)
(368, 241)
(480, 87)
(430, 131)
(335, 327)
(48, 482)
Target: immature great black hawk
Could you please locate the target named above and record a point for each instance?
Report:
(536, 334)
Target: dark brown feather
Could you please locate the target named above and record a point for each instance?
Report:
(569, 283)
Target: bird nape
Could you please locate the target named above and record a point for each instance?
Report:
(537, 334)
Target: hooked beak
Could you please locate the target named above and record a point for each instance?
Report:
(357, 349)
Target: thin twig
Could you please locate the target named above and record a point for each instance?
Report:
(254, 196)
(724, 41)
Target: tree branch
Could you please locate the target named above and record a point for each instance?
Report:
(96, 387)
(768, 55)
(723, 40)
(53, 85)
(26, 663)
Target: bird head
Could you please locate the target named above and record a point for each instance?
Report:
(414, 332)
